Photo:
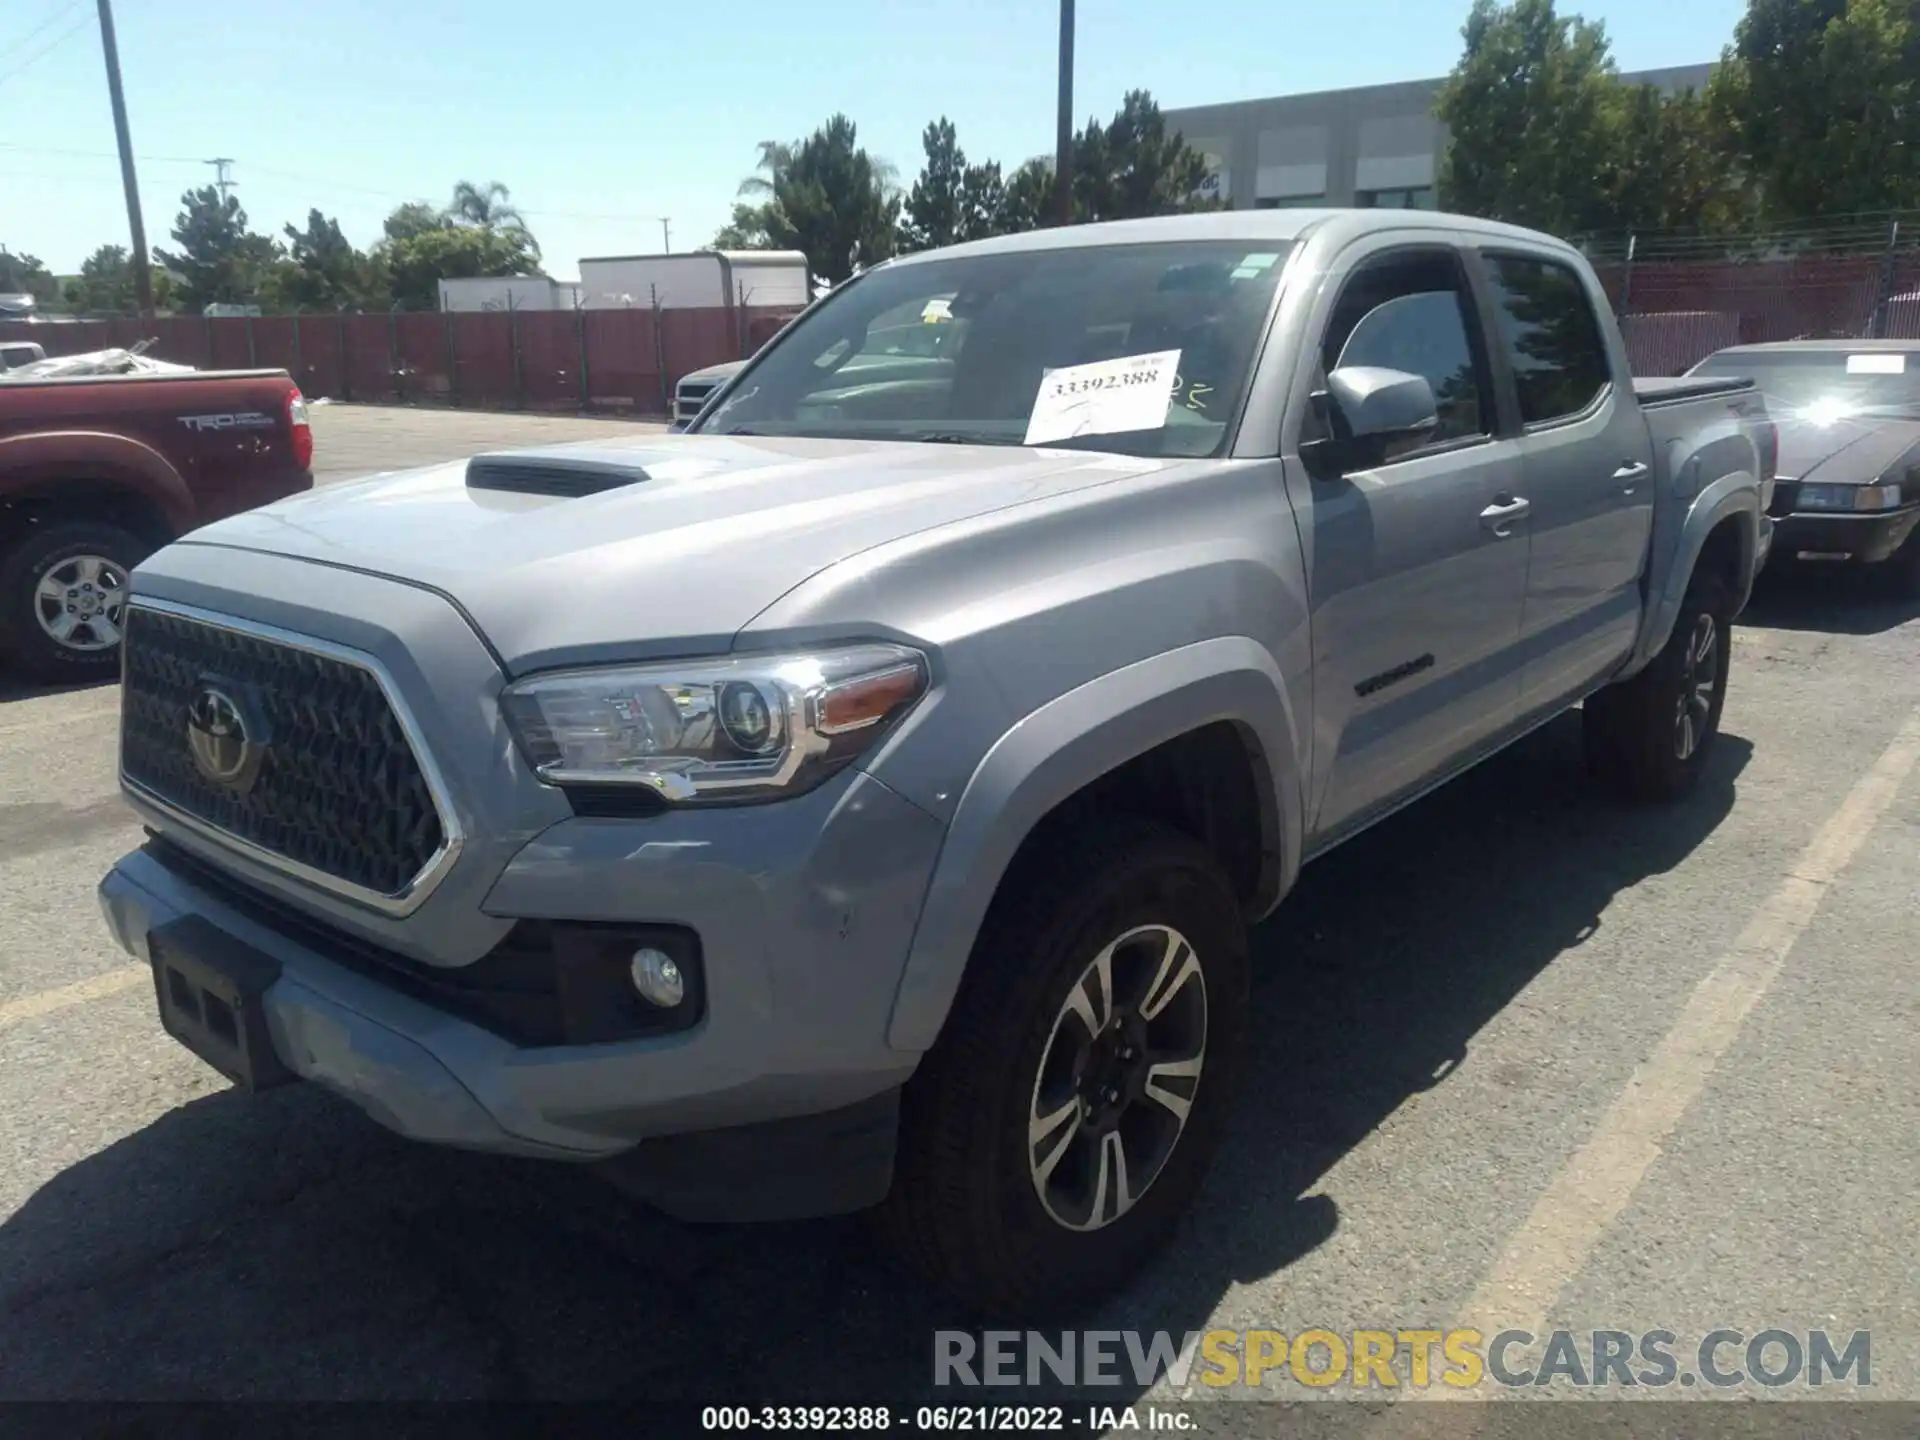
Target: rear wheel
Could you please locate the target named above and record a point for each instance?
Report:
(1649, 737)
(1062, 1123)
(63, 596)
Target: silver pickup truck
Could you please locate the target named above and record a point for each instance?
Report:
(859, 801)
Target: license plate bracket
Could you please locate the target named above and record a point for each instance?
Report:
(210, 986)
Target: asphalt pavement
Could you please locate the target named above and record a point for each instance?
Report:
(1524, 1058)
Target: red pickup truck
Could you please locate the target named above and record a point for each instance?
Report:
(97, 473)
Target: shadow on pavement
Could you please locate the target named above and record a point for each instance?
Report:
(284, 1248)
(1852, 601)
(16, 686)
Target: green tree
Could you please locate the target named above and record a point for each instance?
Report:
(931, 215)
(1029, 191)
(1667, 166)
(1820, 100)
(951, 200)
(416, 265)
(1133, 166)
(489, 207)
(416, 217)
(323, 271)
(220, 259)
(1529, 111)
(824, 196)
(756, 207)
(104, 285)
(22, 274)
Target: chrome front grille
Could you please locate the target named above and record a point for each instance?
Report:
(326, 781)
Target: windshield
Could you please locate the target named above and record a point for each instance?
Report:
(1827, 386)
(1139, 349)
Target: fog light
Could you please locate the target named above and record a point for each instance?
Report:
(657, 979)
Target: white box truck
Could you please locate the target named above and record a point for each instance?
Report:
(508, 292)
(696, 280)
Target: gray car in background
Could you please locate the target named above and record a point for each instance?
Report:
(859, 801)
(1848, 413)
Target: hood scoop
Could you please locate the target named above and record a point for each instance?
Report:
(565, 479)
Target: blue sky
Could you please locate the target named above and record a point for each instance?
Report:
(602, 117)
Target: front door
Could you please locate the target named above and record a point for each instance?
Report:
(1418, 565)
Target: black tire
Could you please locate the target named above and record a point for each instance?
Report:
(966, 1208)
(1636, 745)
(43, 552)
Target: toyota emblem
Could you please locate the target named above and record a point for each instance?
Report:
(217, 736)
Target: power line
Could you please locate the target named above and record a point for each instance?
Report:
(57, 13)
(47, 49)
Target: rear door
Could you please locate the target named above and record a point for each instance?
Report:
(1588, 472)
(1416, 579)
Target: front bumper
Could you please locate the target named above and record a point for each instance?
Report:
(1863, 539)
(804, 910)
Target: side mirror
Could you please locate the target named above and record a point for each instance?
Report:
(1379, 404)
(1364, 409)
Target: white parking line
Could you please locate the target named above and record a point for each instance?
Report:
(1596, 1183)
(97, 987)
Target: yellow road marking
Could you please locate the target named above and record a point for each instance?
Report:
(98, 987)
(1596, 1183)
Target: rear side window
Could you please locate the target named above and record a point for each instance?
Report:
(1551, 336)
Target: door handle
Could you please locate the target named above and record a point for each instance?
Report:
(1499, 516)
(1631, 473)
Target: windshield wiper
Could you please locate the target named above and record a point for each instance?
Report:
(949, 437)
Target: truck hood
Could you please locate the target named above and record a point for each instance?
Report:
(1857, 451)
(675, 562)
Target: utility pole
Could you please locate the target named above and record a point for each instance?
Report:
(1063, 136)
(142, 275)
(223, 181)
(666, 235)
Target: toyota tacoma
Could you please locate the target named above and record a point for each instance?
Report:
(859, 801)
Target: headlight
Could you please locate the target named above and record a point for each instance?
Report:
(742, 727)
(1848, 497)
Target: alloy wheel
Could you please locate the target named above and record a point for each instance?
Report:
(1699, 683)
(1118, 1077)
(80, 602)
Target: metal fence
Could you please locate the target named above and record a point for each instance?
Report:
(624, 360)
(1681, 297)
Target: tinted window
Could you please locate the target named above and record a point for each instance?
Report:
(1551, 337)
(956, 348)
(1410, 313)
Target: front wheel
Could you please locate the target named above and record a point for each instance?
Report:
(63, 596)
(1064, 1120)
(1649, 737)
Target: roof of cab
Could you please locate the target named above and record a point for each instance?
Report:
(1248, 226)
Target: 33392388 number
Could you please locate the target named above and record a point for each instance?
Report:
(796, 1417)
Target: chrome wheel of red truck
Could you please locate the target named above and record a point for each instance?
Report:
(63, 595)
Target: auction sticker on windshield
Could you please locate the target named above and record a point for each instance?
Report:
(1108, 397)
(1876, 364)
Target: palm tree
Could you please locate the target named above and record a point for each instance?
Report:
(488, 207)
(776, 159)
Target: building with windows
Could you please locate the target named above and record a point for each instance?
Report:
(1372, 146)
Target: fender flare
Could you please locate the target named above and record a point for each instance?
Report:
(31, 460)
(1056, 751)
(1734, 496)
